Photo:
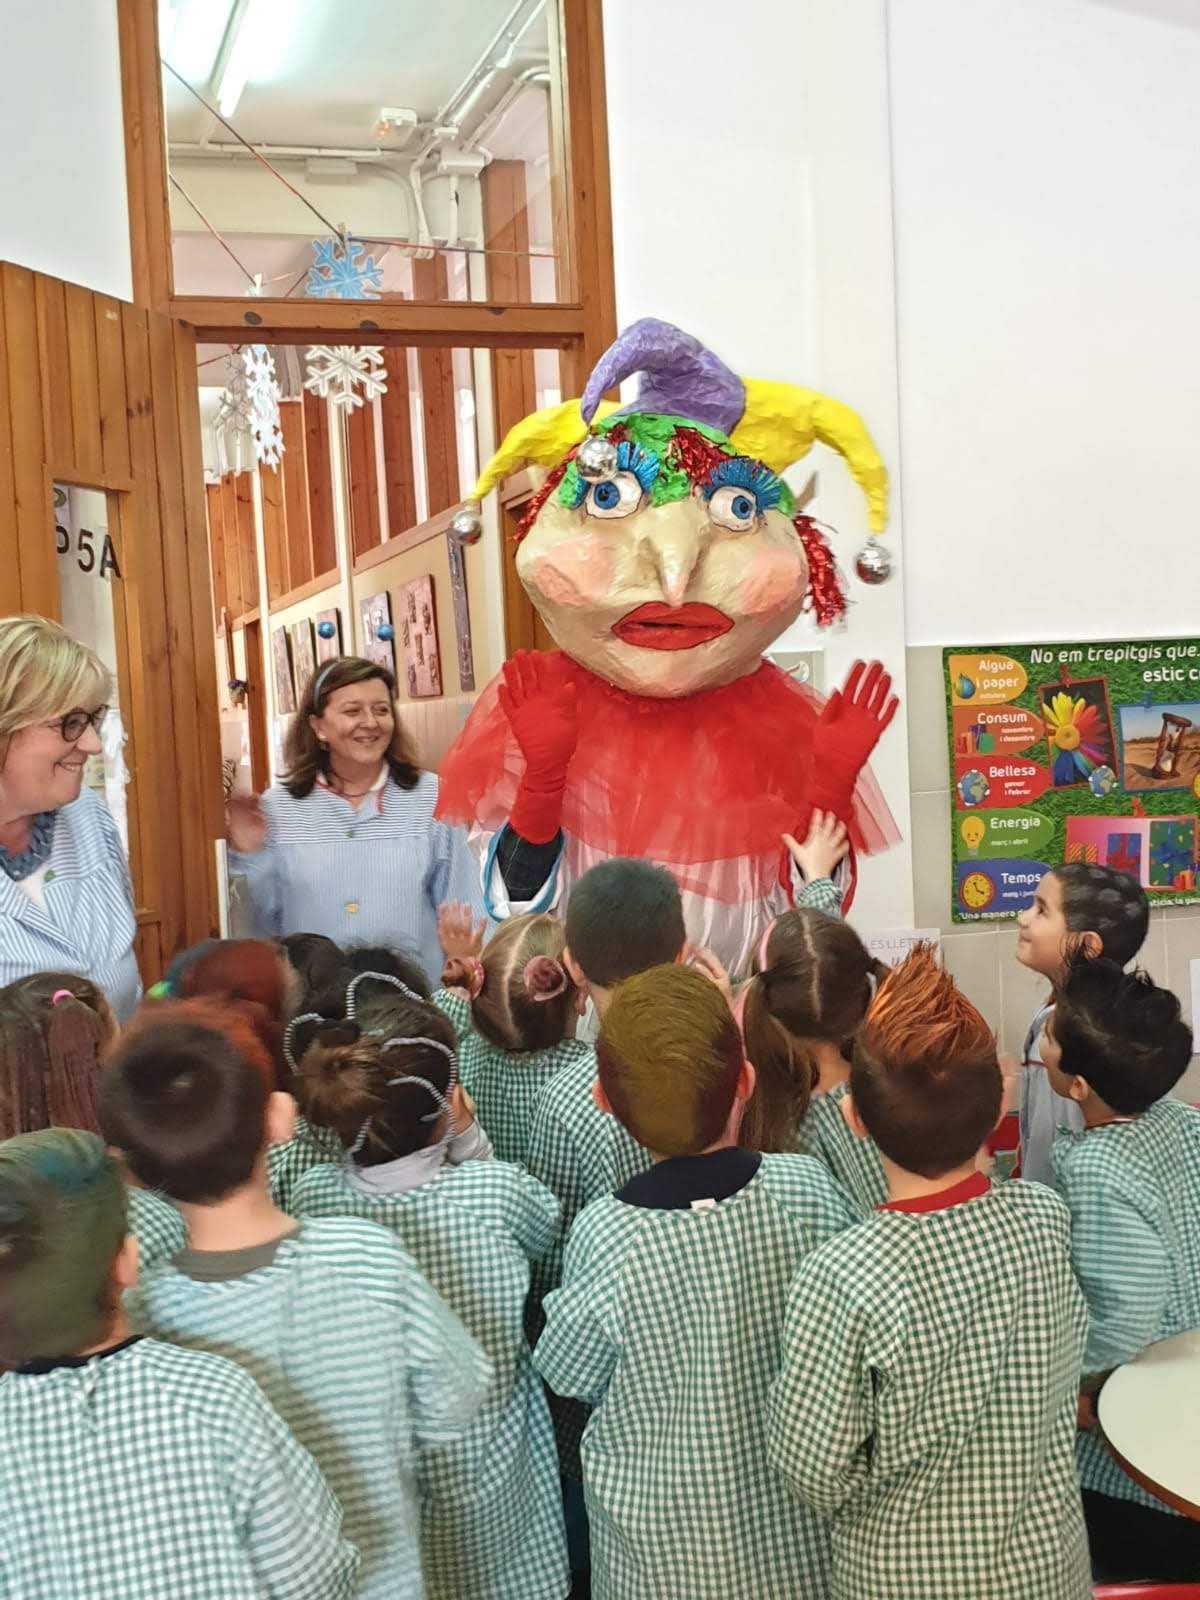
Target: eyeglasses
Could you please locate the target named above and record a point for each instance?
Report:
(73, 725)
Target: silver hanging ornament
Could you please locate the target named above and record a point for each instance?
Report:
(873, 563)
(466, 526)
(596, 459)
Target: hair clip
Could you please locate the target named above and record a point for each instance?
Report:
(380, 977)
(544, 979)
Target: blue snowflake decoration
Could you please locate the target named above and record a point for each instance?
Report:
(343, 274)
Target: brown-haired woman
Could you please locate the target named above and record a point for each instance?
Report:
(812, 983)
(514, 1008)
(347, 844)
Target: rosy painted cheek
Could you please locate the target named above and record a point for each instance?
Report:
(578, 572)
(775, 580)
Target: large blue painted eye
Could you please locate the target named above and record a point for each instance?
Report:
(733, 508)
(618, 496)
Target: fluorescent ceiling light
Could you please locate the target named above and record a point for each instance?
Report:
(257, 43)
(190, 34)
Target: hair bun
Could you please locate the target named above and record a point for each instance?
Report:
(544, 978)
(465, 973)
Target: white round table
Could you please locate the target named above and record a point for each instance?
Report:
(1150, 1413)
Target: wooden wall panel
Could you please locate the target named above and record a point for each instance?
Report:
(397, 444)
(323, 544)
(108, 400)
(365, 530)
(295, 493)
(29, 518)
(247, 543)
(216, 549)
(274, 531)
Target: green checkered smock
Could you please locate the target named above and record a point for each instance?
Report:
(1134, 1193)
(668, 1323)
(159, 1228)
(927, 1402)
(151, 1472)
(362, 1360)
(309, 1146)
(492, 1526)
(504, 1084)
(854, 1162)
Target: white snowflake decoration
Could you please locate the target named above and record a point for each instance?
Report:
(262, 389)
(347, 374)
(343, 271)
(234, 420)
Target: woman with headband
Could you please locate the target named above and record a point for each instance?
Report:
(385, 1079)
(346, 844)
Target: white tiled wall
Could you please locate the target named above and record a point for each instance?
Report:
(982, 956)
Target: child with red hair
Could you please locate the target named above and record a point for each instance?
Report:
(931, 1355)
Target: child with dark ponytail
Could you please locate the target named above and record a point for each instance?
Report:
(55, 1027)
(812, 983)
(514, 1006)
(384, 1079)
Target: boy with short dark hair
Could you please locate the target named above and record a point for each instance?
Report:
(669, 1315)
(331, 1315)
(1115, 1046)
(931, 1354)
(132, 1468)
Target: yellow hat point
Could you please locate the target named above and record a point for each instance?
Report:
(782, 422)
(544, 437)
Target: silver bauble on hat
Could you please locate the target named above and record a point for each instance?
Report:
(874, 563)
(466, 526)
(596, 459)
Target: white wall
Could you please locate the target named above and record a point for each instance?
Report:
(752, 206)
(1047, 193)
(63, 206)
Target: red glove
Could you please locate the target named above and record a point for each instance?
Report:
(544, 718)
(848, 729)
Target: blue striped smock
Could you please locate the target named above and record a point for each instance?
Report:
(88, 925)
(372, 876)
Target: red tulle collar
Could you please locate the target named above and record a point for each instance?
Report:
(708, 777)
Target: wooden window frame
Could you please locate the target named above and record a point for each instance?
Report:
(581, 329)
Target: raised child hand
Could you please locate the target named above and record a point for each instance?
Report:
(825, 846)
(457, 932)
(696, 955)
(245, 826)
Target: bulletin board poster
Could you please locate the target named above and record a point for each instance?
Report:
(1072, 752)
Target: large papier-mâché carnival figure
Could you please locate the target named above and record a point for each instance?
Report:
(664, 554)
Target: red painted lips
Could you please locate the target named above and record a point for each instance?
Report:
(658, 627)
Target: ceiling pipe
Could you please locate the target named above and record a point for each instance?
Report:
(226, 150)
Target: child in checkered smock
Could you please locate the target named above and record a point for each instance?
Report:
(492, 1513)
(809, 990)
(1115, 1046)
(132, 1469)
(357, 1353)
(931, 1354)
(669, 1316)
(514, 1007)
(1078, 909)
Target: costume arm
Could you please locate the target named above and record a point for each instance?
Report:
(519, 876)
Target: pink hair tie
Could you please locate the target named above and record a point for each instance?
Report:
(544, 979)
(61, 994)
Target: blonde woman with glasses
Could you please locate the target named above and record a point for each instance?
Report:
(66, 900)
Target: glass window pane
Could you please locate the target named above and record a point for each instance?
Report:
(432, 134)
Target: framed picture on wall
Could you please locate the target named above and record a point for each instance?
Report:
(304, 654)
(422, 659)
(376, 614)
(329, 634)
(285, 684)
